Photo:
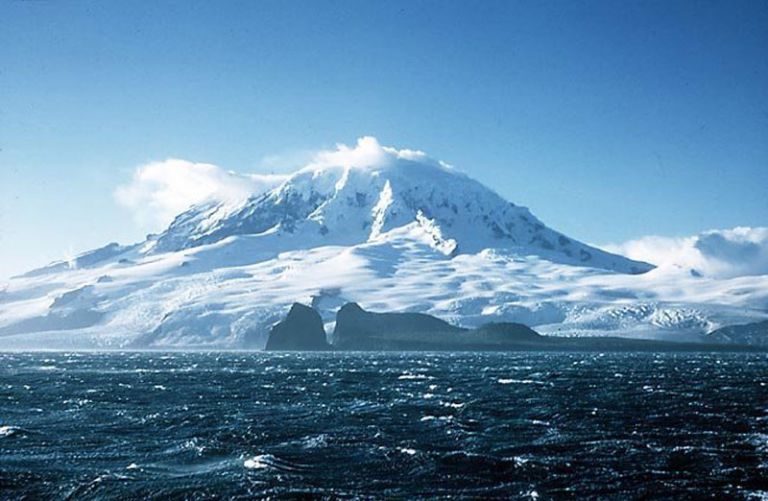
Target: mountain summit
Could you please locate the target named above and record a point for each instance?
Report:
(372, 193)
(389, 229)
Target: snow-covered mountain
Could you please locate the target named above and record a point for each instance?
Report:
(389, 229)
(329, 204)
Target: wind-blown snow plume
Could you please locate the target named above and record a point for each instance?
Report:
(741, 251)
(161, 190)
(368, 152)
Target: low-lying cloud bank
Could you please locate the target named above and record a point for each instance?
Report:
(741, 251)
(159, 191)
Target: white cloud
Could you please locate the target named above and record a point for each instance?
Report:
(161, 190)
(368, 152)
(741, 251)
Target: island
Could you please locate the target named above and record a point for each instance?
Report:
(357, 329)
(301, 330)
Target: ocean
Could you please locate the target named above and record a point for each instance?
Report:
(194, 425)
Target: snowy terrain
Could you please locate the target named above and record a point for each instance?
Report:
(392, 230)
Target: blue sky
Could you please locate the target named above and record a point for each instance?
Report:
(610, 120)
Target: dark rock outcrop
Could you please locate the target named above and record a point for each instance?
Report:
(302, 330)
(755, 333)
(357, 329)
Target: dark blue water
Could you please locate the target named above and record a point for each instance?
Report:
(196, 425)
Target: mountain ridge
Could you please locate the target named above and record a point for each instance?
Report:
(345, 205)
(392, 230)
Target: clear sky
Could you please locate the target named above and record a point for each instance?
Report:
(609, 119)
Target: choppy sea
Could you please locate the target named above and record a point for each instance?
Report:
(383, 425)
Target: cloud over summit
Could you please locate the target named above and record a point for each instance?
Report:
(161, 190)
(158, 191)
(367, 152)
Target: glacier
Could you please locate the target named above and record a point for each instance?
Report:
(390, 229)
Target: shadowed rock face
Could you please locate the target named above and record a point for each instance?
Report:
(302, 330)
(755, 333)
(506, 332)
(357, 329)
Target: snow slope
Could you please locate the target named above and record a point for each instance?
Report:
(328, 203)
(389, 229)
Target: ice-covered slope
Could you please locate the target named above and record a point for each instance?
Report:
(380, 190)
(389, 229)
